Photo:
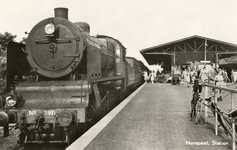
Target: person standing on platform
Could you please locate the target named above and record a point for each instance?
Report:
(153, 75)
(225, 75)
(183, 76)
(219, 82)
(186, 77)
(211, 76)
(234, 76)
(217, 68)
(158, 72)
(192, 76)
(145, 75)
(204, 75)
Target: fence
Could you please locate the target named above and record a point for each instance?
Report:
(207, 88)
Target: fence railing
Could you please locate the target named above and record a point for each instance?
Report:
(207, 89)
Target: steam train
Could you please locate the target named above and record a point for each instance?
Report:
(63, 79)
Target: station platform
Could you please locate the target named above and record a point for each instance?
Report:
(155, 117)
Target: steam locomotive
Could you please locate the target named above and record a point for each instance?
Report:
(63, 79)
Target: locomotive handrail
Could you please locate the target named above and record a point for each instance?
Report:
(107, 78)
(46, 41)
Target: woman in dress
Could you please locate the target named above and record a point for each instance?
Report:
(153, 76)
(186, 77)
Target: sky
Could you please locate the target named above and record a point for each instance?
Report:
(137, 24)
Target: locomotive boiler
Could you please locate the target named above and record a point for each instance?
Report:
(63, 79)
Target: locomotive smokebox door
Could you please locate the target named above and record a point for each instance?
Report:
(54, 47)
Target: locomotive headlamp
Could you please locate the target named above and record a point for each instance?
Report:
(11, 100)
(50, 28)
(65, 118)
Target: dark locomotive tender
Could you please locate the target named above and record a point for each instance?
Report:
(63, 79)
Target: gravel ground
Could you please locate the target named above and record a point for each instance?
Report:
(10, 142)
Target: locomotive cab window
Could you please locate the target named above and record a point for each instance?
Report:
(104, 42)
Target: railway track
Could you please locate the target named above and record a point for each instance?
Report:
(10, 142)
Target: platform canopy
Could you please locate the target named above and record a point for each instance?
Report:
(187, 50)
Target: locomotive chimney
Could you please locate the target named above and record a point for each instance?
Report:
(61, 12)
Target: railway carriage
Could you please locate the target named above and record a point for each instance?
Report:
(135, 71)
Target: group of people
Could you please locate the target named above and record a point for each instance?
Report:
(214, 76)
(206, 76)
(150, 76)
(218, 77)
(188, 76)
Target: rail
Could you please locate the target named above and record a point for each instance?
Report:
(232, 91)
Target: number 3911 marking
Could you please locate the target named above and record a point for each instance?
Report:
(49, 112)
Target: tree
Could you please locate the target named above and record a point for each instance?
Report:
(4, 39)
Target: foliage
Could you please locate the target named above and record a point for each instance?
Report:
(4, 39)
(23, 41)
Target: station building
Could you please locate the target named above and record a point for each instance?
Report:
(190, 53)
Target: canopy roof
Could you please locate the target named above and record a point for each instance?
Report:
(189, 46)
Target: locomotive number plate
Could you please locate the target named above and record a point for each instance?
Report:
(45, 112)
